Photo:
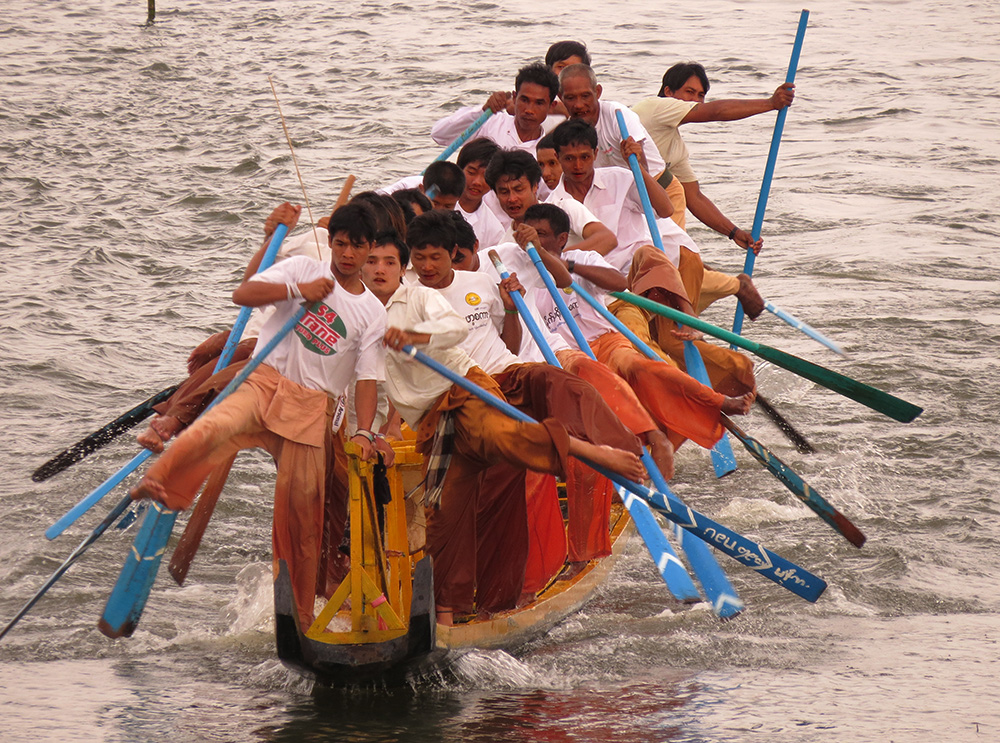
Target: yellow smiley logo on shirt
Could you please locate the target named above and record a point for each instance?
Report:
(472, 299)
(568, 290)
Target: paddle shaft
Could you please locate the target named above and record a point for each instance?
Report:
(100, 438)
(723, 458)
(461, 138)
(128, 597)
(772, 159)
(664, 557)
(772, 566)
(872, 397)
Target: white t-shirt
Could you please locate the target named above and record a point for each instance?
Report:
(489, 231)
(609, 139)
(339, 343)
(498, 128)
(313, 244)
(592, 325)
(476, 297)
(516, 261)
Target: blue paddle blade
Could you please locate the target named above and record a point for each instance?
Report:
(723, 458)
(128, 598)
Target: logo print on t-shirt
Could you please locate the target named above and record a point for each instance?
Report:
(472, 299)
(320, 330)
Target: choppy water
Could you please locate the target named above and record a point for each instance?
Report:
(136, 167)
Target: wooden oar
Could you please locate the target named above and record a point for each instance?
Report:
(117, 511)
(723, 458)
(190, 540)
(772, 566)
(875, 399)
(128, 597)
(772, 158)
(797, 485)
(345, 192)
(667, 563)
(99, 438)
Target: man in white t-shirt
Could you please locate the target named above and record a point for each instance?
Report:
(535, 88)
(478, 204)
(286, 405)
(478, 535)
(680, 404)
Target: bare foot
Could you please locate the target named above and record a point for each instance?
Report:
(684, 333)
(738, 405)
(166, 426)
(149, 488)
(150, 439)
(619, 461)
(753, 303)
(662, 452)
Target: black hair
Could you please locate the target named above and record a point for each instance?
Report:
(388, 214)
(407, 197)
(564, 50)
(446, 177)
(574, 131)
(513, 164)
(539, 74)
(357, 219)
(478, 150)
(433, 228)
(680, 73)
(546, 143)
(558, 219)
(465, 236)
(391, 237)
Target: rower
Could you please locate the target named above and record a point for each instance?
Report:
(475, 532)
(286, 406)
(478, 203)
(535, 88)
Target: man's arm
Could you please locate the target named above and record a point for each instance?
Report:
(259, 293)
(709, 214)
(447, 129)
(285, 214)
(607, 277)
(510, 333)
(733, 109)
(658, 198)
(524, 234)
(598, 238)
(365, 405)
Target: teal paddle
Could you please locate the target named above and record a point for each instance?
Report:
(772, 159)
(872, 397)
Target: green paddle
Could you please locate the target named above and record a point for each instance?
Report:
(875, 399)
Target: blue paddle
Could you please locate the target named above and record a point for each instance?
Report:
(772, 158)
(128, 597)
(112, 482)
(461, 138)
(785, 573)
(667, 563)
(723, 459)
(798, 324)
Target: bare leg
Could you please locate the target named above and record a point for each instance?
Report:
(662, 452)
(753, 303)
(445, 616)
(619, 461)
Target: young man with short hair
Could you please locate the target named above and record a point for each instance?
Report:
(475, 532)
(286, 405)
(535, 89)
(478, 203)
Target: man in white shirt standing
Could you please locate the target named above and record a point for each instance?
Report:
(286, 405)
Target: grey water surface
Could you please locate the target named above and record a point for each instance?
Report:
(137, 165)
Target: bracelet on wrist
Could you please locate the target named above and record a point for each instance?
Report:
(570, 265)
(732, 232)
(293, 290)
(365, 433)
(510, 312)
